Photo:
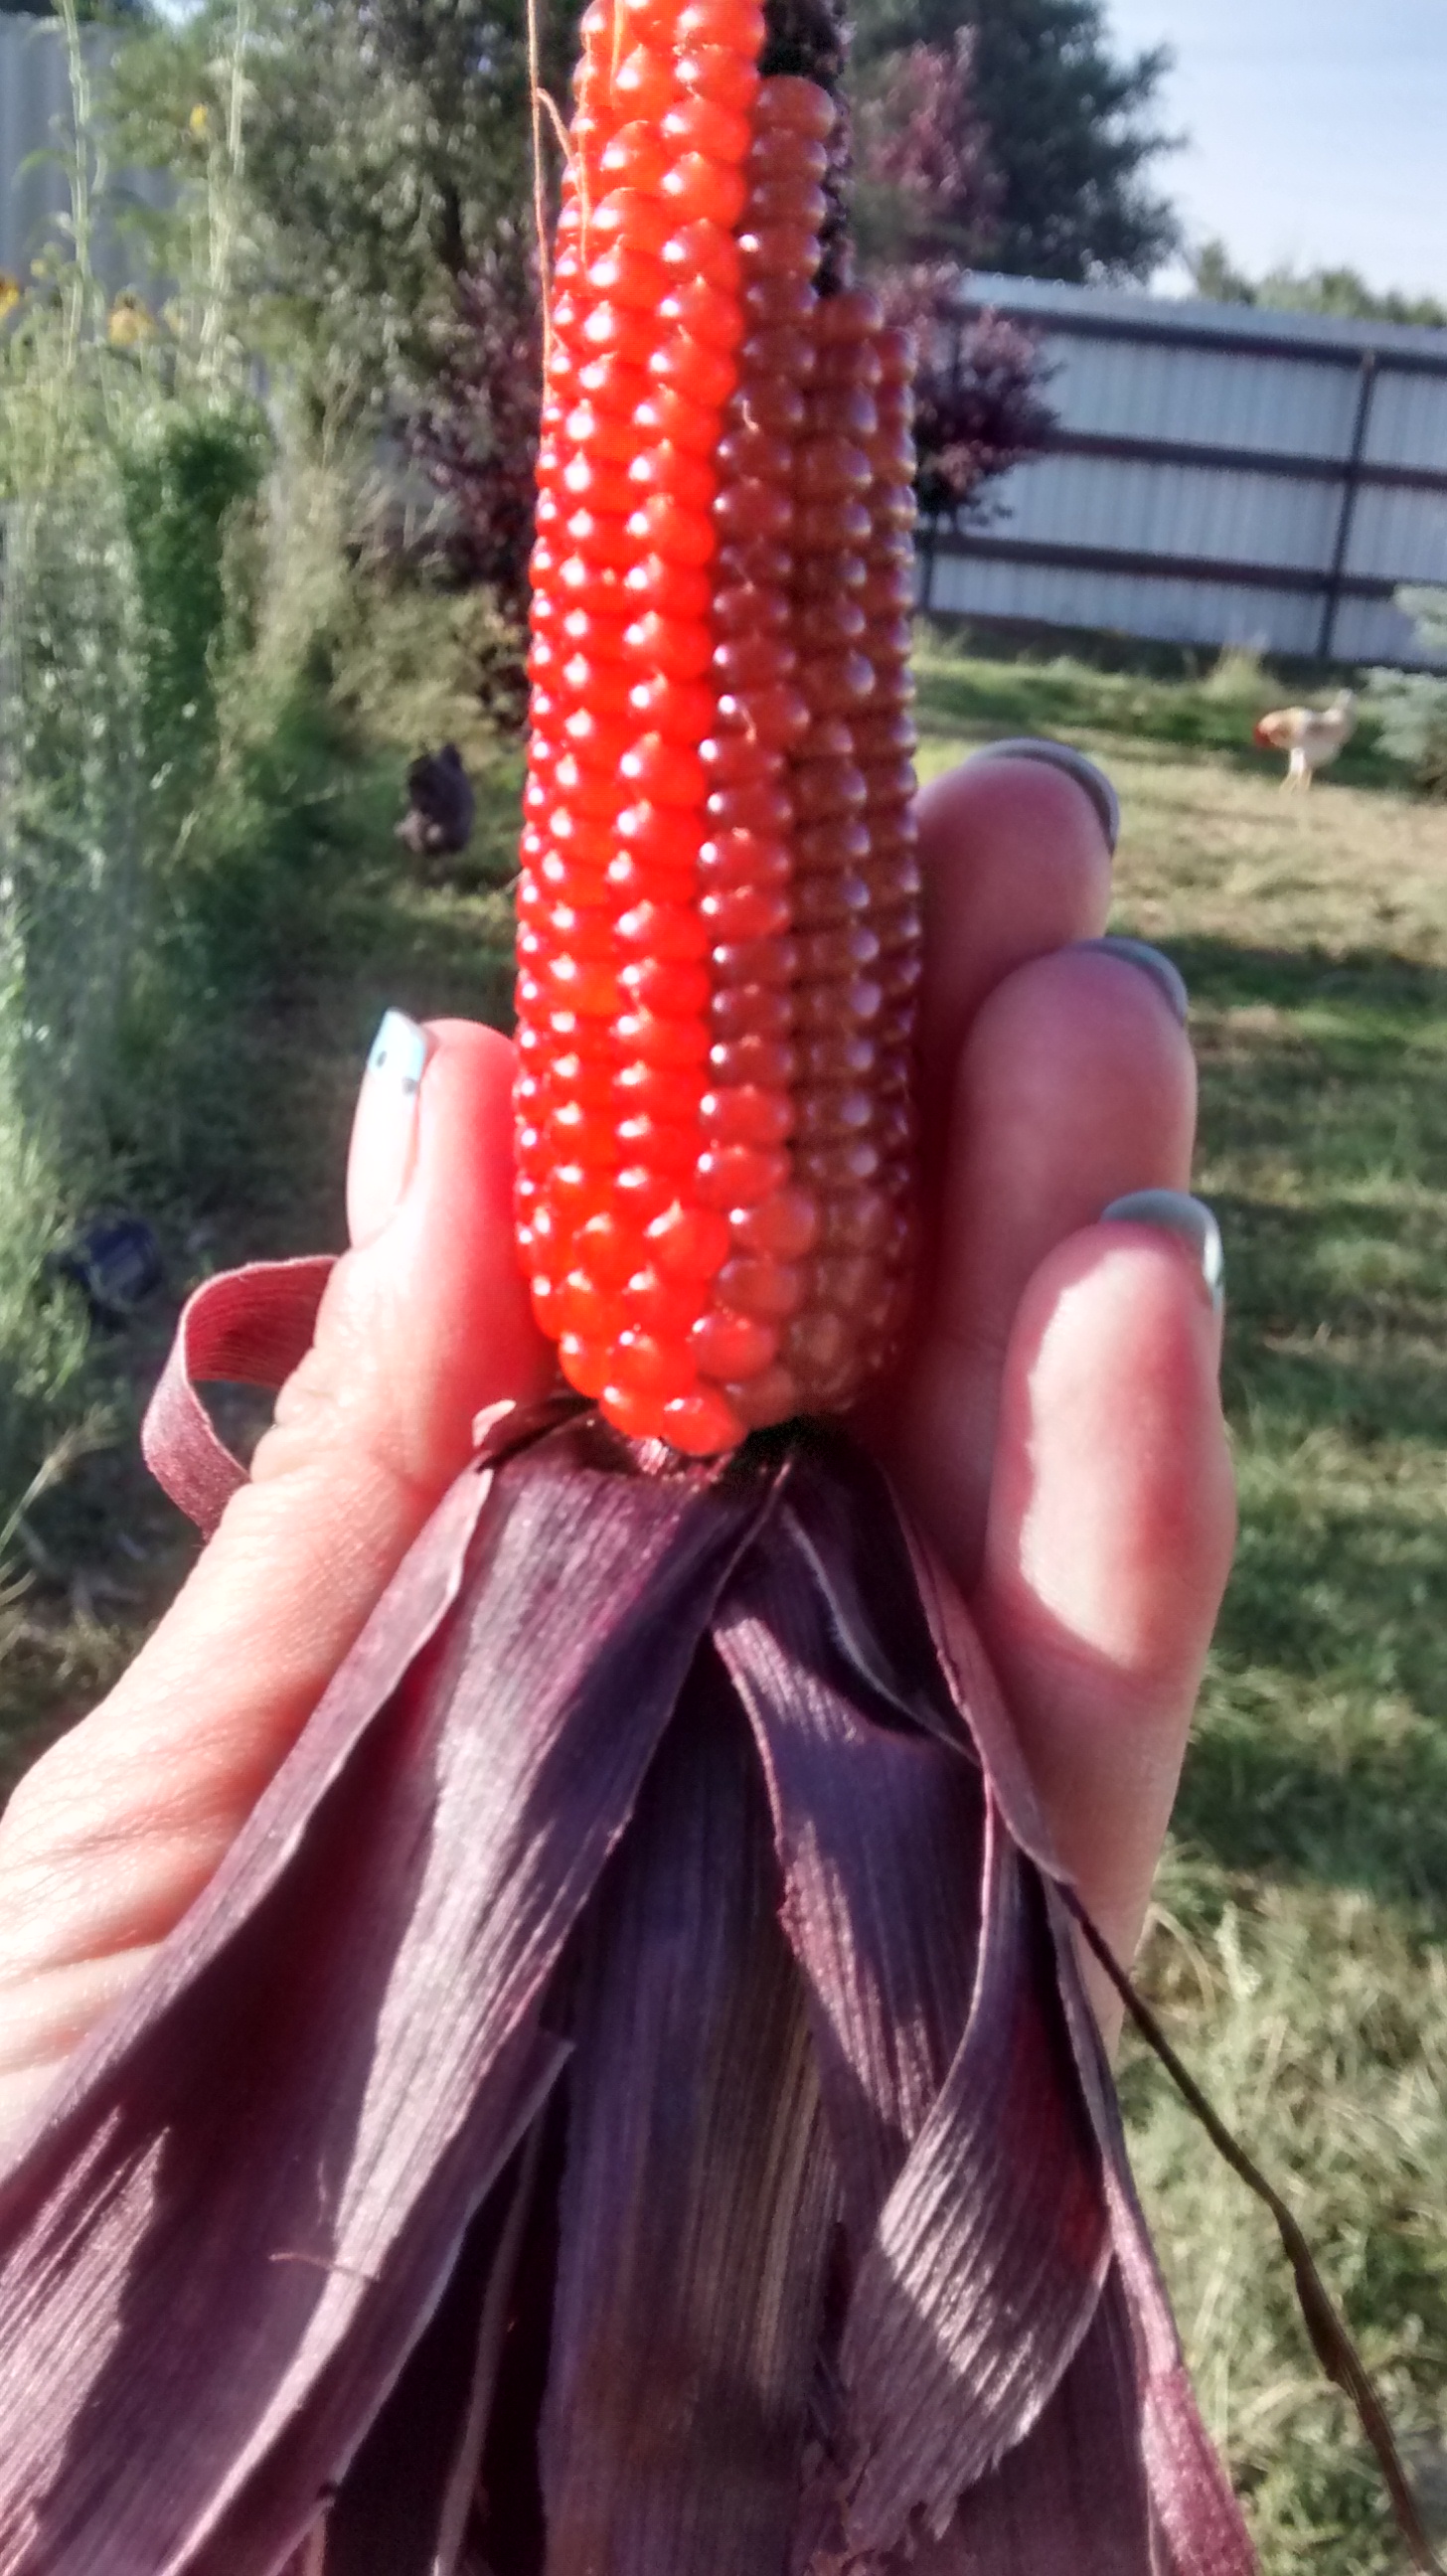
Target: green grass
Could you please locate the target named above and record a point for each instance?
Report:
(1300, 1942)
(1299, 1947)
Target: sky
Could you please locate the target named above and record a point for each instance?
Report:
(1318, 130)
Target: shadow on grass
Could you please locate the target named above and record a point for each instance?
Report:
(1323, 1749)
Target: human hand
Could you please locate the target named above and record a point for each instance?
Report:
(1056, 1427)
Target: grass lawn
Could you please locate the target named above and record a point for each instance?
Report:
(1299, 1946)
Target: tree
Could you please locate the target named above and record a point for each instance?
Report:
(1340, 291)
(1070, 131)
(928, 194)
(927, 183)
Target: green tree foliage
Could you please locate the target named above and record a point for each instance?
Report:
(387, 160)
(1072, 137)
(1340, 291)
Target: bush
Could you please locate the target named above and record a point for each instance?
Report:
(1412, 705)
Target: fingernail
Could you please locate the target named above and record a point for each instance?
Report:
(1176, 1213)
(384, 1130)
(1151, 961)
(1059, 755)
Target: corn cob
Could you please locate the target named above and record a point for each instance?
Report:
(718, 906)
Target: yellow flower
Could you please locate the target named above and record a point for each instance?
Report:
(198, 121)
(130, 323)
(11, 292)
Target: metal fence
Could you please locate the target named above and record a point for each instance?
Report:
(36, 118)
(1218, 475)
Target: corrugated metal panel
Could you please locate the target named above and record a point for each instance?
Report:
(1370, 630)
(35, 117)
(1409, 421)
(1399, 536)
(1139, 508)
(1175, 612)
(1149, 394)
(1201, 397)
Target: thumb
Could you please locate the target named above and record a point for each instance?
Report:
(424, 1322)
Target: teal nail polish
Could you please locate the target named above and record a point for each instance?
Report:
(1151, 961)
(1188, 1218)
(399, 1053)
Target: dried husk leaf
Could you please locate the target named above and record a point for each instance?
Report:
(285, 2132)
(972, 2178)
(700, 2198)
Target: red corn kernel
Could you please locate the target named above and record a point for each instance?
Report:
(636, 1415)
(761, 808)
(604, 1252)
(633, 216)
(786, 199)
(707, 251)
(721, 73)
(743, 608)
(681, 709)
(688, 1242)
(743, 858)
(613, 384)
(642, 1194)
(673, 988)
(636, 157)
(784, 1227)
(679, 647)
(766, 1061)
(660, 1145)
(731, 1176)
(665, 413)
(617, 331)
(584, 1363)
(693, 368)
(668, 1307)
(698, 185)
(589, 1312)
(800, 106)
(667, 931)
(725, 1345)
(643, 85)
(703, 125)
(665, 773)
(741, 914)
(655, 1091)
(629, 277)
(747, 1116)
(654, 1038)
(772, 1290)
(751, 509)
(673, 472)
(702, 1425)
(738, 24)
(770, 1397)
(675, 589)
(652, 1366)
(709, 313)
(678, 534)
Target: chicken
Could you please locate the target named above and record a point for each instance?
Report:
(1312, 735)
(439, 818)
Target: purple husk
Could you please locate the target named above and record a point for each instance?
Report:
(626, 2105)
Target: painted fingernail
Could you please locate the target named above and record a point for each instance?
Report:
(1060, 755)
(1151, 961)
(1176, 1213)
(384, 1130)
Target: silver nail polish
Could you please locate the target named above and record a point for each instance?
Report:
(1152, 961)
(1177, 1213)
(399, 1054)
(1074, 764)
